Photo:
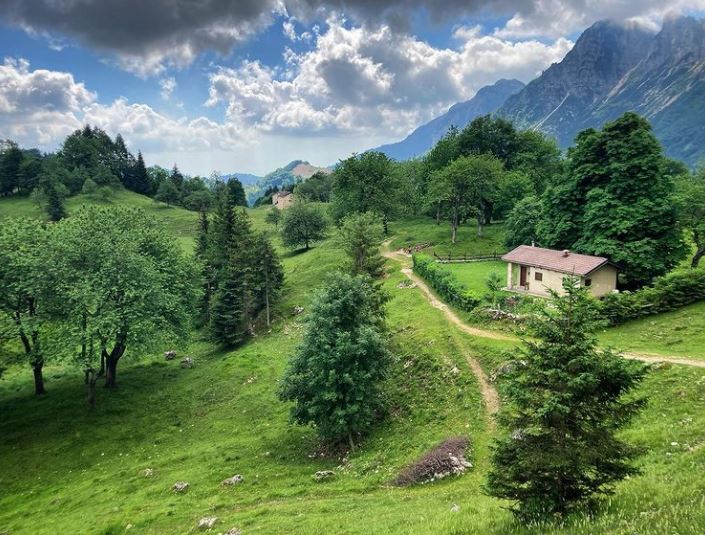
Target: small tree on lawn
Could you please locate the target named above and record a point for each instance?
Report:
(274, 216)
(334, 377)
(360, 237)
(566, 404)
(167, 193)
(23, 284)
(303, 224)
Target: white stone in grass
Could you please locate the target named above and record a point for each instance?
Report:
(455, 508)
(233, 531)
(323, 474)
(180, 486)
(207, 522)
(236, 479)
(147, 472)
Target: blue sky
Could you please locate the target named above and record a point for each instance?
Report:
(247, 85)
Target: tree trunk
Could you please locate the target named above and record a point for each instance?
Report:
(480, 220)
(101, 372)
(699, 253)
(454, 225)
(111, 363)
(438, 214)
(266, 299)
(91, 378)
(385, 224)
(38, 377)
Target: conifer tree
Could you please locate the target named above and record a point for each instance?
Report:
(55, 201)
(140, 177)
(360, 237)
(268, 274)
(566, 401)
(227, 313)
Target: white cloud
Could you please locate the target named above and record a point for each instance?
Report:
(372, 80)
(167, 85)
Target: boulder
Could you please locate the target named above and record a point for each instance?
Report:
(207, 522)
(147, 472)
(180, 486)
(235, 480)
(187, 363)
(323, 474)
(233, 531)
(169, 355)
(455, 508)
(298, 310)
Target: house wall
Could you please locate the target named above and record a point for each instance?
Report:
(604, 280)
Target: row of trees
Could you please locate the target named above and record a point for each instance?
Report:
(90, 162)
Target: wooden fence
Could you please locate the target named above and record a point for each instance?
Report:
(459, 258)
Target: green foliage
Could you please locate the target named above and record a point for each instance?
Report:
(523, 221)
(167, 193)
(54, 200)
(24, 287)
(445, 283)
(10, 165)
(566, 404)
(616, 201)
(316, 188)
(273, 217)
(303, 223)
(360, 236)
(466, 188)
(670, 292)
(368, 182)
(334, 378)
(691, 207)
(119, 281)
(89, 187)
(227, 313)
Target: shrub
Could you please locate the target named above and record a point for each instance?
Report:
(445, 283)
(672, 291)
(448, 458)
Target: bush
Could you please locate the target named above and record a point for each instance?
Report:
(448, 458)
(670, 292)
(445, 283)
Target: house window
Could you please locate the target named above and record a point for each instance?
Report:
(538, 276)
(588, 282)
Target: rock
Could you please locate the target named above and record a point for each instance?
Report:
(506, 368)
(298, 310)
(170, 355)
(233, 531)
(404, 285)
(180, 486)
(207, 522)
(323, 474)
(455, 508)
(187, 363)
(236, 479)
(147, 472)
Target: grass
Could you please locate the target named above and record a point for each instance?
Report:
(679, 332)
(417, 230)
(474, 275)
(82, 470)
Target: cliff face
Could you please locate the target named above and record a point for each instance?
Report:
(613, 69)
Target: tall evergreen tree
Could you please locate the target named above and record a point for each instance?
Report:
(10, 164)
(566, 402)
(335, 376)
(227, 315)
(55, 200)
(140, 177)
(267, 275)
(360, 237)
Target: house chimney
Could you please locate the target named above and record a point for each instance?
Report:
(566, 252)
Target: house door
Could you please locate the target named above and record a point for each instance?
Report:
(522, 277)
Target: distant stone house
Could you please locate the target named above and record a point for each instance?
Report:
(282, 199)
(536, 270)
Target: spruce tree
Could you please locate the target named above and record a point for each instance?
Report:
(227, 314)
(566, 401)
(360, 237)
(55, 201)
(334, 378)
(140, 177)
(267, 275)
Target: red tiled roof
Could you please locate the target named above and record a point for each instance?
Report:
(578, 264)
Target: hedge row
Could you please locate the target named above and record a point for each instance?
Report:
(669, 292)
(445, 283)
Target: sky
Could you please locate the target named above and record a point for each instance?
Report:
(249, 85)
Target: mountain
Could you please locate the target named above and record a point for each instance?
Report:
(283, 176)
(246, 178)
(485, 101)
(615, 68)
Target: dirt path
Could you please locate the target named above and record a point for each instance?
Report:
(405, 260)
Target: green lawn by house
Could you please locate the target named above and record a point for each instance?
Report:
(679, 332)
(474, 275)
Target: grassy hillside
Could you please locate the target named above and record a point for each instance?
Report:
(83, 471)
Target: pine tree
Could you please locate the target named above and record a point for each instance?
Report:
(227, 314)
(565, 405)
(360, 237)
(55, 201)
(206, 269)
(268, 274)
(334, 379)
(140, 177)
